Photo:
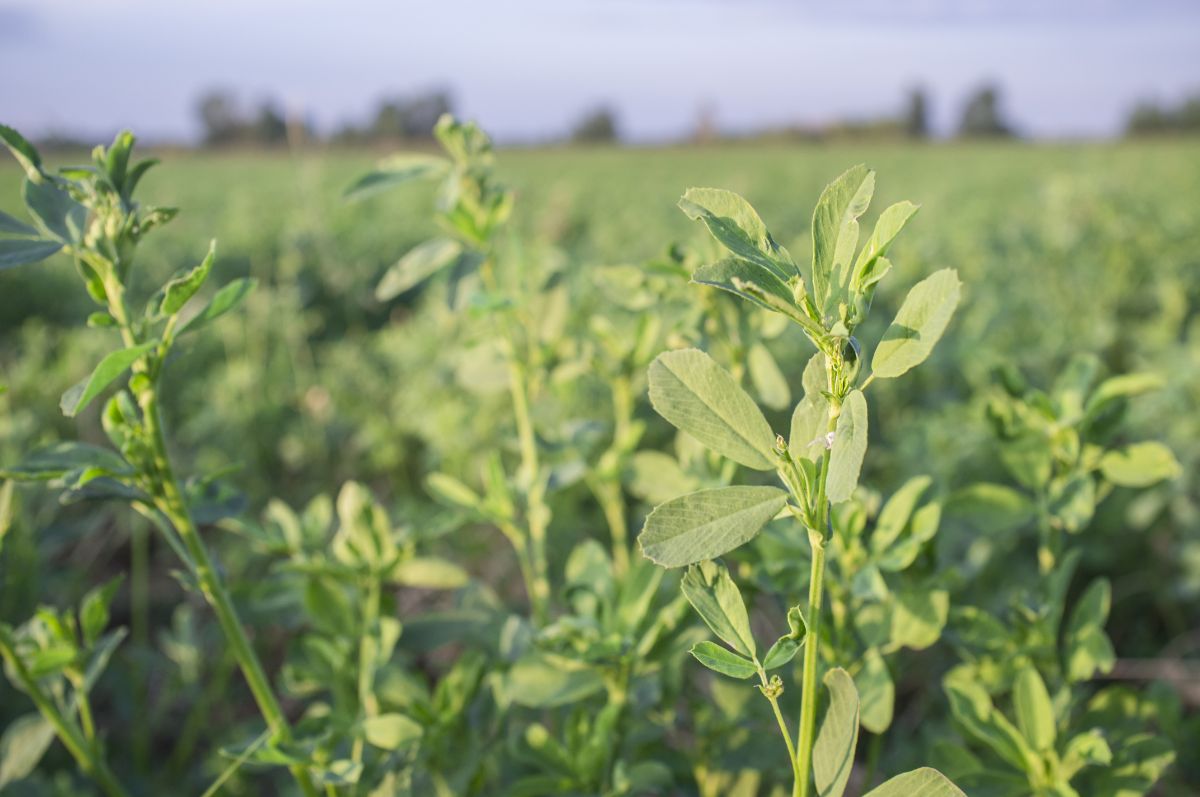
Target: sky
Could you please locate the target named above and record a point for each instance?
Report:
(528, 69)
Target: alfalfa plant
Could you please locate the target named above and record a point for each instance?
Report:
(818, 463)
(89, 212)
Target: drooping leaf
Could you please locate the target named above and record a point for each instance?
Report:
(177, 292)
(849, 448)
(924, 782)
(698, 396)
(1140, 465)
(730, 273)
(718, 601)
(918, 325)
(394, 171)
(229, 297)
(734, 223)
(1035, 714)
(20, 251)
(833, 753)
(112, 366)
(835, 236)
(708, 523)
(421, 263)
(62, 458)
(721, 660)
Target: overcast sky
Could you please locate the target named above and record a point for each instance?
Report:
(529, 68)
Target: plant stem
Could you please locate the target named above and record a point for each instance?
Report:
(808, 684)
(170, 501)
(85, 753)
(537, 514)
(773, 699)
(368, 704)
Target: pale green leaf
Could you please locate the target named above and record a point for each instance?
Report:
(390, 731)
(780, 653)
(421, 263)
(1087, 649)
(896, 512)
(918, 325)
(177, 292)
(706, 524)
(734, 223)
(698, 396)
(833, 753)
(25, 741)
(924, 782)
(876, 691)
(889, 225)
(428, 572)
(718, 601)
(918, 617)
(227, 298)
(78, 397)
(1035, 714)
(1140, 465)
(731, 273)
(835, 236)
(849, 448)
(768, 380)
(726, 662)
(396, 170)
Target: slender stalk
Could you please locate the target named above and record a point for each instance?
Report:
(139, 610)
(773, 698)
(808, 685)
(84, 752)
(537, 514)
(368, 704)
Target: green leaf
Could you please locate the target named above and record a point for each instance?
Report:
(12, 226)
(783, 651)
(835, 236)
(19, 251)
(918, 325)
(896, 512)
(421, 263)
(726, 662)
(93, 610)
(731, 273)
(734, 223)
(229, 297)
(1087, 748)
(718, 601)
(177, 292)
(768, 380)
(59, 459)
(708, 523)
(1035, 714)
(695, 394)
(55, 210)
(1073, 501)
(25, 741)
(428, 572)
(1119, 387)
(452, 492)
(1140, 465)
(849, 448)
(545, 680)
(79, 396)
(1086, 648)
(973, 710)
(394, 171)
(810, 419)
(23, 151)
(889, 225)
(876, 691)
(918, 617)
(656, 477)
(390, 731)
(990, 508)
(833, 753)
(923, 782)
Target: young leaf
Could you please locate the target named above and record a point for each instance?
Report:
(55, 210)
(229, 297)
(734, 223)
(177, 292)
(19, 251)
(731, 273)
(698, 396)
(390, 731)
(706, 524)
(849, 448)
(973, 710)
(717, 600)
(78, 397)
(428, 572)
(93, 611)
(1140, 465)
(1035, 714)
(923, 782)
(726, 662)
(394, 171)
(783, 651)
(421, 263)
(889, 225)
(1087, 649)
(833, 753)
(918, 325)
(769, 382)
(835, 235)
(23, 151)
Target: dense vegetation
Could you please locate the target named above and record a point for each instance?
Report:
(419, 485)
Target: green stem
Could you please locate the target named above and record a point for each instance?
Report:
(139, 610)
(368, 704)
(170, 501)
(85, 754)
(773, 699)
(808, 685)
(536, 513)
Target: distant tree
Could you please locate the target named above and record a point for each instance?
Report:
(598, 125)
(1149, 118)
(409, 117)
(981, 115)
(916, 114)
(220, 117)
(269, 127)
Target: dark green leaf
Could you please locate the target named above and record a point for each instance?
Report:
(111, 367)
(718, 601)
(19, 251)
(225, 300)
(726, 662)
(177, 292)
